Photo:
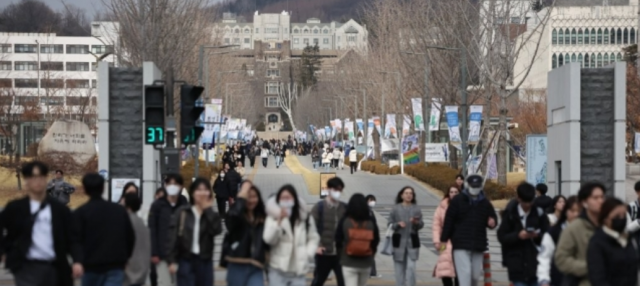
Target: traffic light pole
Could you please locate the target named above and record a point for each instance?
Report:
(170, 154)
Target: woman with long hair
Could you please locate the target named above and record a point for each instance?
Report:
(460, 182)
(555, 211)
(292, 237)
(406, 220)
(444, 269)
(357, 239)
(192, 242)
(315, 157)
(547, 272)
(129, 187)
(245, 251)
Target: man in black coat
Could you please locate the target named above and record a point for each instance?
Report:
(233, 180)
(159, 222)
(542, 200)
(465, 224)
(37, 235)
(106, 235)
(520, 234)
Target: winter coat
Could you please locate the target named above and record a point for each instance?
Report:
(571, 250)
(402, 236)
(302, 240)
(138, 266)
(544, 202)
(612, 261)
(245, 244)
(182, 226)
(60, 190)
(520, 257)
(444, 266)
(342, 240)
(633, 222)
(233, 180)
(353, 156)
(466, 222)
(159, 222)
(264, 153)
(547, 269)
(315, 156)
(327, 157)
(221, 187)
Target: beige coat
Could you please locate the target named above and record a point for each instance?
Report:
(571, 252)
(444, 266)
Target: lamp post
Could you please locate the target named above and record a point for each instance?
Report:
(400, 101)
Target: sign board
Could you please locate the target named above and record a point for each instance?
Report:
(436, 152)
(116, 187)
(324, 178)
(537, 159)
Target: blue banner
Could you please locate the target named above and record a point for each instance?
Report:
(454, 126)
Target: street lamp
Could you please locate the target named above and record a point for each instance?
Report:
(400, 101)
(463, 94)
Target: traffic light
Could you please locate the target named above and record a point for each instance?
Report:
(154, 115)
(190, 113)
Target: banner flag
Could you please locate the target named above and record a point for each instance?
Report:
(410, 150)
(436, 152)
(376, 122)
(390, 127)
(434, 121)
(537, 159)
(636, 145)
(360, 125)
(406, 125)
(418, 121)
(475, 120)
(327, 132)
(371, 124)
(333, 128)
(454, 125)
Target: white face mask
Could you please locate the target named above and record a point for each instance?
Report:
(222, 175)
(372, 204)
(474, 191)
(335, 194)
(173, 190)
(287, 204)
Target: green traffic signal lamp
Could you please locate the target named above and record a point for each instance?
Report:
(190, 113)
(154, 115)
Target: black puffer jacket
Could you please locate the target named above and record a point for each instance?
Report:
(221, 187)
(182, 225)
(466, 222)
(521, 256)
(609, 263)
(244, 242)
(544, 202)
(159, 222)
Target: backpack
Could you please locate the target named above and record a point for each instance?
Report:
(360, 239)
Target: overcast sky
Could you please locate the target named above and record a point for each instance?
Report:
(90, 6)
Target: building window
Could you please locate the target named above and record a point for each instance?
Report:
(605, 37)
(586, 61)
(52, 83)
(52, 49)
(5, 48)
(273, 72)
(78, 83)
(295, 31)
(325, 31)
(271, 30)
(51, 66)
(351, 38)
(316, 41)
(632, 35)
(306, 31)
(296, 41)
(26, 48)
(560, 60)
(315, 31)
(567, 37)
(77, 49)
(574, 35)
(554, 37)
(76, 66)
(100, 49)
(625, 36)
(94, 83)
(338, 38)
(592, 60)
(247, 40)
(561, 37)
(515, 20)
(237, 31)
(26, 66)
(247, 31)
(236, 41)
(305, 41)
(606, 59)
(257, 30)
(325, 41)
(593, 36)
(574, 58)
(285, 30)
(619, 58)
(6, 83)
(271, 101)
(586, 36)
(26, 83)
(272, 88)
(52, 100)
(5, 66)
(599, 36)
(580, 37)
(227, 41)
(580, 60)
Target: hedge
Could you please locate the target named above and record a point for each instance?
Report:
(188, 169)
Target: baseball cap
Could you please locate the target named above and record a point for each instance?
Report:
(475, 181)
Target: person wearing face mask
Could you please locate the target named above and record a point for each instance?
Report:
(221, 188)
(444, 268)
(193, 230)
(465, 224)
(159, 222)
(291, 236)
(326, 214)
(371, 201)
(612, 254)
(571, 250)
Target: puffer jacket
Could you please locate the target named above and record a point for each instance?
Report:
(302, 240)
(353, 156)
(466, 222)
(245, 244)
(182, 225)
(571, 251)
(327, 157)
(444, 266)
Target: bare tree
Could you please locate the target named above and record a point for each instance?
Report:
(287, 96)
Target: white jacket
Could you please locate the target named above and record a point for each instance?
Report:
(353, 156)
(633, 225)
(326, 157)
(282, 241)
(545, 256)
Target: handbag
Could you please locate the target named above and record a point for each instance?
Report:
(387, 248)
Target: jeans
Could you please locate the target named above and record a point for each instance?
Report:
(252, 161)
(278, 161)
(324, 265)
(516, 283)
(244, 275)
(405, 271)
(277, 278)
(109, 278)
(374, 271)
(315, 165)
(164, 277)
(222, 206)
(195, 272)
(327, 166)
(355, 276)
(354, 166)
(36, 274)
(264, 162)
(468, 266)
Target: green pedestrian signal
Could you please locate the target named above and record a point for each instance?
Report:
(154, 135)
(154, 115)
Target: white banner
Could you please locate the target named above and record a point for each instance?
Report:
(418, 121)
(475, 120)
(406, 125)
(454, 125)
(349, 129)
(212, 113)
(436, 152)
(390, 127)
(536, 159)
(387, 145)
(360, 125)
(434, 120)
(371, 126)
(636, 145)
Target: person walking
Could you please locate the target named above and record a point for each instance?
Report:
(371, 201)
(612, 254)
(465, 224)
(264, 154)
(233, 181)
(36, 234)
(327, 158)
(406, 220)
(221, 189)
(245, 249)
(194, 228)
(335, 159)
(129, 187)
(159, 221)
(542, 200)
(341, 159)
(554, 213)
(326, 214)
(547, 272)
(460, 182)
(240, 169)
(278, 156)
(444, 267)
(59, 189)
(353, 161)
(520, 234)
(633, 209)
(315, 157)
(292, 237)
(105, 234)
(571, 250)
(357, 239)
(137, 269)
(253, 153)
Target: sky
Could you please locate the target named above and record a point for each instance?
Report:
(90, 6)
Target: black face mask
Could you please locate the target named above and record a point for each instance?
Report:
(618, 224)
